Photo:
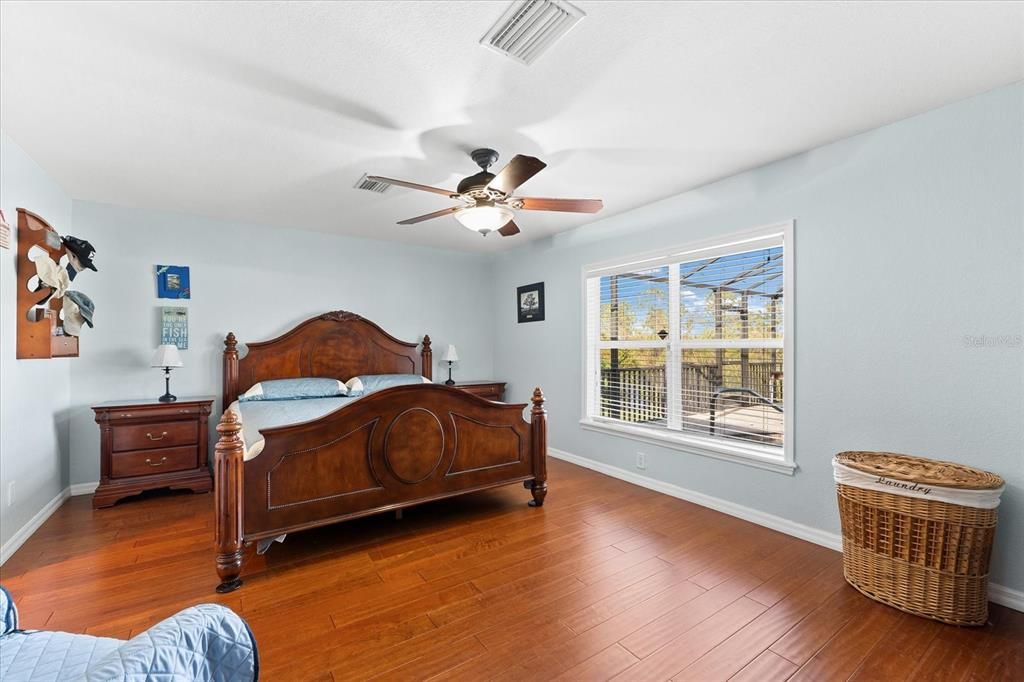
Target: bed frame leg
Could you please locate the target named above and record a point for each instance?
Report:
(539, 429)
(229, 457)
(539, 489)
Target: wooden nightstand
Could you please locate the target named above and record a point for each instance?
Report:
(146, 444)
(492, 390)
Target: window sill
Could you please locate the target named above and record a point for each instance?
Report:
(749, 455)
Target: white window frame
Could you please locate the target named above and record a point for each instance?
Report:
(781, 460)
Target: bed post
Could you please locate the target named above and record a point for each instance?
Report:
(427, 364)
(539, 434)
(228, 463)
(230, 371)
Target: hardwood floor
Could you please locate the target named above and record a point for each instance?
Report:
(607, 581)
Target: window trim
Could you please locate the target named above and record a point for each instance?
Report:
(750, 454)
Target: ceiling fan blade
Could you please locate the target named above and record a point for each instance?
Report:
(510, 229)
(412, 185)
(568, 205)
(519, 170)
(429, 216)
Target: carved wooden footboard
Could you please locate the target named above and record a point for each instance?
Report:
(395, 448)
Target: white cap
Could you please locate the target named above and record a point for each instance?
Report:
(73, 319)
(52, 275)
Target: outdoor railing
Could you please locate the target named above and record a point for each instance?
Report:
(639, 394)
(717, 395)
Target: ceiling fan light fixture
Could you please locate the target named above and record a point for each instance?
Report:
(484, 219)
(486, 201)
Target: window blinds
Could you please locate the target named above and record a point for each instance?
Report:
(691, 342)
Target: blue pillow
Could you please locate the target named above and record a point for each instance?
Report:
(366, 384)
(295, 389)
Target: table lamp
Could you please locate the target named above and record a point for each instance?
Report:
(167, 356)
(450, 356)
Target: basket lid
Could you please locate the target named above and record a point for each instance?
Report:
(920, 470)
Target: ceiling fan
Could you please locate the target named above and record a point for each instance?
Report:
(486, 201)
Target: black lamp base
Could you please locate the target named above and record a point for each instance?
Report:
(167, 397)
(450, 382)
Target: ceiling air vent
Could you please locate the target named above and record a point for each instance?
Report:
(371, 186)
(529, 27)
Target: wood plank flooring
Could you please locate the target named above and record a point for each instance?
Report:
(607, 581)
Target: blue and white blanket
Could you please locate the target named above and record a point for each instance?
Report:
(205, 643)
(267, 414)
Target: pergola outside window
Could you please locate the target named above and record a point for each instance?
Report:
(690, 346)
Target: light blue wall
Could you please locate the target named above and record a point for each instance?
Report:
(258, 282)
(34, 394)
(909, 238)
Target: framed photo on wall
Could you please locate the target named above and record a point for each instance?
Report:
(172, 281)
(530, 302)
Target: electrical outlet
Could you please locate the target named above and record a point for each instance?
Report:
(10, 493)
(641, 460)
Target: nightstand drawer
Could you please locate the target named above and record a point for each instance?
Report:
(490, 392)
(147, 444)
(146, 462)
(170, 411)
(155, 435)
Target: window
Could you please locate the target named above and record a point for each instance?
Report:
(689, 347)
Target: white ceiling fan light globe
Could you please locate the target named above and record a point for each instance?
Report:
(484, 219)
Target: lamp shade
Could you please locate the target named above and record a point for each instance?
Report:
(484, 219)
(451, 355)
(166, 356)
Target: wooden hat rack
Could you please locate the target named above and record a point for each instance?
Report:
(40, 329)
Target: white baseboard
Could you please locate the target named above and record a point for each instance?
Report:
(998, 594)
(1005, 596)
(84, 488)
(25, 532)
(815, 535)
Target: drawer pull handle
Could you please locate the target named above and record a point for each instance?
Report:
(155, 464)
(160, 437)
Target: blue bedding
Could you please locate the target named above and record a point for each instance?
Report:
(267, 414)
(204, 643)
(257, 415)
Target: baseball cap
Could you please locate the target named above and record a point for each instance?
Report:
(53, 276)
(82, 250)
(78, 309)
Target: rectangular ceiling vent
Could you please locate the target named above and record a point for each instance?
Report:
(530, 27)
(371, 185)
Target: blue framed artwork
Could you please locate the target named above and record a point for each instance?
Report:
(174, 327)
(172, 281)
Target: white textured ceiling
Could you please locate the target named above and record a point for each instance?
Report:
(269, 112)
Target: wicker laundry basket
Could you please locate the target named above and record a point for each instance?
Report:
(917, 533)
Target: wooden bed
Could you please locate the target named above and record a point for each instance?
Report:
(388, 450)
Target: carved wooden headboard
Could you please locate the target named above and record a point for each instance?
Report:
(339, 345)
